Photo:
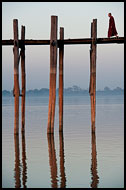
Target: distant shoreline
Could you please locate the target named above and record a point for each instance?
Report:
(71, 91)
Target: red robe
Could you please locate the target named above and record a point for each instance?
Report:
(112, 29)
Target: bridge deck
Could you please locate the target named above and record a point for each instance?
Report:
(118, 40)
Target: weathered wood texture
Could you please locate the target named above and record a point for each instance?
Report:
(53, 71)
(92, 88)
(23, 77)
(16, 76)
(61, 85)
(89, 41)
(67, 41)
(90, 84)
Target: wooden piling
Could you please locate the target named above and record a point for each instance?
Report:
(23, 76)
(92, 88)
(53, 70)
(16, 76)
(90, 85)
(61, 85)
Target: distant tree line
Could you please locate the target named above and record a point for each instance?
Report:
(74, 90)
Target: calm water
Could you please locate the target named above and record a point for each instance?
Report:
(74, 159)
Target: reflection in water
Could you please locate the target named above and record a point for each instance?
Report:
(52, 160)
(95, 178)
(24, 172)
(62, 160)
(17, 171)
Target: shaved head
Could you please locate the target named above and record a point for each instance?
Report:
(109, 14)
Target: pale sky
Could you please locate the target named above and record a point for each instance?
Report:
(76, 18)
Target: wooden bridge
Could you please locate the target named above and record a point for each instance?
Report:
(54, 45)
(78, 41)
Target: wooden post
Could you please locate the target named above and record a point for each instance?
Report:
(95, 177)
(94, 46)
(16, 76)
(92, 88)
(90, 85)
(23, 76)
(61, 54)
(53, 70)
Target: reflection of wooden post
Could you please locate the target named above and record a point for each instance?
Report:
(16, 76)
(95, 178)
(24, 172)
(17, 162)
(23, 77)
(61, 54)
(52, 160)
(62, 160)
(92, 88)
(53, 69)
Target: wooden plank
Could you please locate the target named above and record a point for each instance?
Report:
(78, 41)
(23, 76)
(53, 70)
(16, 76)
(61, 70)
(89, 41)
(26, 42)
(7, 42)
(118, 40)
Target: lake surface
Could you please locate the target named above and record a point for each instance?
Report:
(72, 159)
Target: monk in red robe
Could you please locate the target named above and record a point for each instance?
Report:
(112, 29)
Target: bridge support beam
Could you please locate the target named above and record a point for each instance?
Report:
(61, 70)
(53, 71)
(16, 77)
(92, 88)
(23, 76)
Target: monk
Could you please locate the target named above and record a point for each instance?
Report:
(112, 29)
